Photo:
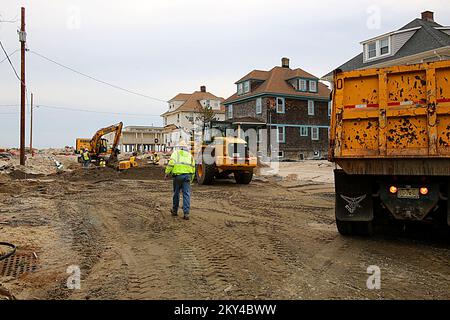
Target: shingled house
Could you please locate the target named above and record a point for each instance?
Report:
(421, 40)
(291, 103)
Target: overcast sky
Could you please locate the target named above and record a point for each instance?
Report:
(162, 47)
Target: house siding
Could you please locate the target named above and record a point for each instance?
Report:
(295, 115)
(398, 40)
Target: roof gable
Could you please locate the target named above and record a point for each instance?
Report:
(192, 101)
(424, 39)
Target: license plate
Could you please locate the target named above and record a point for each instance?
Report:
(408, 193)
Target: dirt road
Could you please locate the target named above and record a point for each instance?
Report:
(269, 240)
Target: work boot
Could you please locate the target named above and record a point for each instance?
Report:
(173, 212)
(186, 217)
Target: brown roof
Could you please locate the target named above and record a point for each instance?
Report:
(180, 97)
(255, 74)
(192, 101)
(275, 81)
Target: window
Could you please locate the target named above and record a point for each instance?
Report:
(258, 106)
(310, 107)
(330, 104)
(280, 105)
(230, 111)
(280, 154)
(246, 86)
(239, 88)
(302, 85)
(281, 137)
(314, 133)
(384, 46)
(312, 86)
(303, 131)
(372, 50)
(178, 117)
(260, 135)
(377, 48)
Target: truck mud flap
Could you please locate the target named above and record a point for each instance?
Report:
(353, 197)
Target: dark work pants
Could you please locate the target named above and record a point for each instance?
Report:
(182, 182)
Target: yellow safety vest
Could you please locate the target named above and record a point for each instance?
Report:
(181, 162)
(86, 156)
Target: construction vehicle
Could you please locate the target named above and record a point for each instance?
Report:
(390, 137)
(98, 145)
(221, 156)
(127, 164)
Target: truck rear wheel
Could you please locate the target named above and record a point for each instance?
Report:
(361, 228)
(205, 173)
(344, 227)
(243, 177)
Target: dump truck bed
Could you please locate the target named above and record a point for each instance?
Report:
(392, 120)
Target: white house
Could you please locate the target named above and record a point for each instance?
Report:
(184, 115)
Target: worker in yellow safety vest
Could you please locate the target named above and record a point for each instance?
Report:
(86, 158)
(181, 167)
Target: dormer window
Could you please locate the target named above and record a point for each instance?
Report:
(305, 85)
(377, 48)
(312, 86)
(302, 85)
(243, 87)
(239, 88)
(246, 86)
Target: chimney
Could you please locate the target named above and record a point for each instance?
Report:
(285, 62)
(428, 16)
(203, 88)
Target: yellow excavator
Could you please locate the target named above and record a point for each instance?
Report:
(98, 146)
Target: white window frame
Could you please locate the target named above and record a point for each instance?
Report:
(260, 133)
(246, 87)
(330, 108)
(240, 88)
(258, 105)
(230, 111)
(377, 48)
(302, 85)
(302, 133)
(315, 133)
(282, 105)
(311, 107)
(315, 85)
(388, 46)
(369, 44)
(282, 154)
(283, 133)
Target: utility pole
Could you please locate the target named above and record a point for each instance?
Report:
(23, 40)
(31, 126)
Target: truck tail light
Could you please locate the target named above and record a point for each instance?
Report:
(423, 191)
(393, 189)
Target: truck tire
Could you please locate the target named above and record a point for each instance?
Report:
(243, 177)
(344, 227)
(365, 228)
(205, 173)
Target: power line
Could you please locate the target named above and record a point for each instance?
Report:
(7, 57)
(96, 111)
(95, 79)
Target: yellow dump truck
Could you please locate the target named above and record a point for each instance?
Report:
(390, 139)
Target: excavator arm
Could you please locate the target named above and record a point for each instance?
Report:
(117, 128)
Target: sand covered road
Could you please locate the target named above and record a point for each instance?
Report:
(273, 239)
